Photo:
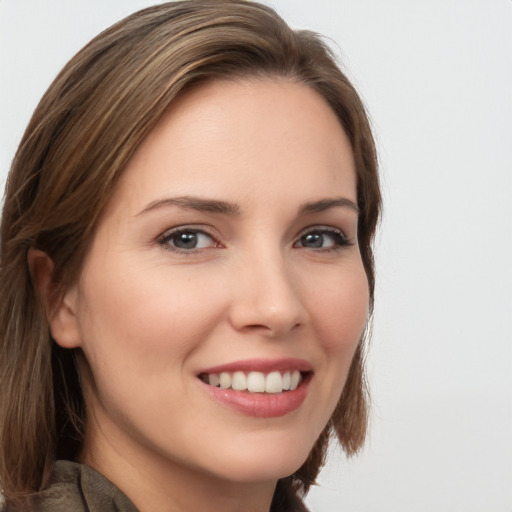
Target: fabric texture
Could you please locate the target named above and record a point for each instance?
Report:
(78, 488)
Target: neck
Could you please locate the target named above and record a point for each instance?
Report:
(156, 483)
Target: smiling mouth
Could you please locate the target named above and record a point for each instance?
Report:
(256, 382)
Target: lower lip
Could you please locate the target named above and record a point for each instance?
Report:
(261, 405)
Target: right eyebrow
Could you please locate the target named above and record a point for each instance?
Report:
(326, 204)
(194, 203)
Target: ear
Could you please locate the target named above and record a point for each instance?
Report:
(60, 309)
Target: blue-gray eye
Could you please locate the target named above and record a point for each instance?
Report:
(322, 239)
(188, 240)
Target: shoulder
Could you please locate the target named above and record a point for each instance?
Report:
(78, 488)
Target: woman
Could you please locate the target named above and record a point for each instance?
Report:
(186, 269)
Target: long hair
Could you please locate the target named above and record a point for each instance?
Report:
(81, 136)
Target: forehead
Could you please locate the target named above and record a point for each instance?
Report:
(239, 138)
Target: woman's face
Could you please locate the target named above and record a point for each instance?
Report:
(228, 253)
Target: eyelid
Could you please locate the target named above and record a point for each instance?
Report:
(163, 238)
(322, 227)
(328, 230)
(332, 231)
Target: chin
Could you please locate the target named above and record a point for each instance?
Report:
(262, 461)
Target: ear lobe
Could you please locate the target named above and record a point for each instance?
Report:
(60, 309)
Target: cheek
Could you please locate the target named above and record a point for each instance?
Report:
(340, 311)
(141, 314)
(139, 334)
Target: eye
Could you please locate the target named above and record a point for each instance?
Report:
(322, 238)
(188, 240)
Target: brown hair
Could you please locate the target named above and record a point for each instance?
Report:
(81, 135)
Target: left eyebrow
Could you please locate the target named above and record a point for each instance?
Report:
(194, 203)
(326, 204)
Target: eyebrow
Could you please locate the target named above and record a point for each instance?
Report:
(326, 204)
(194, 203)
(232, 209)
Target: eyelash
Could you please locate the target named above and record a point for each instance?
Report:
(165, 239)
(339, 239)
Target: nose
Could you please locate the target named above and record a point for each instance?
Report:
(266, 297)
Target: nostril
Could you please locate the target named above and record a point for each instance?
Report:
(273, 329)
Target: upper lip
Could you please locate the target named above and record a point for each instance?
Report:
(262, 365)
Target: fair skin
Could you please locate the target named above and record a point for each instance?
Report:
(229, 245)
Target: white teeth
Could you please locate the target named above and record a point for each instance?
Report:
(274, 383)
(256, 382)
(239, 381)
(214, 379)
(286, 380)
(295, 379)
(225, 380)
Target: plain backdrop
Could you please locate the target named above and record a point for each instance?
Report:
(437, 79)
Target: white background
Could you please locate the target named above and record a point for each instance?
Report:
(437, 78)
